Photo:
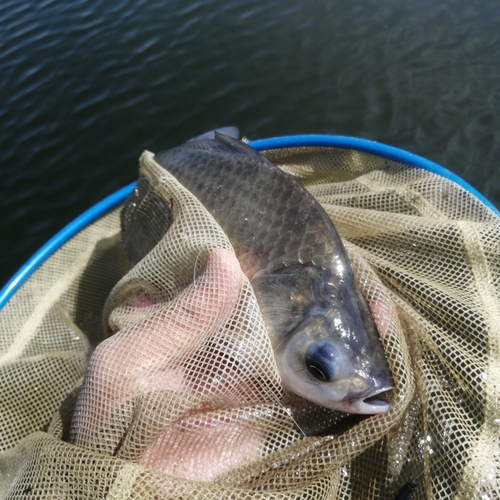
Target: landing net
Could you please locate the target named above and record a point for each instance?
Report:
(181, 397)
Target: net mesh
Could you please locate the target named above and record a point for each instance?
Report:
(159, 381)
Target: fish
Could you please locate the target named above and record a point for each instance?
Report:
(325, 341)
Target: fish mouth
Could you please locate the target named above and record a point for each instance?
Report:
(376, 402)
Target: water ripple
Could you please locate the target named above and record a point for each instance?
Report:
(87, 85)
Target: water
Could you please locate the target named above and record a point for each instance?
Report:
(87, 85)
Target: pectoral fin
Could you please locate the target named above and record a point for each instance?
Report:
(275, 295)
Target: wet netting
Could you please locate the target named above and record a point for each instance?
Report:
(159, 380)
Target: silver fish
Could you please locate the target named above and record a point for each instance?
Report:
(325, 341)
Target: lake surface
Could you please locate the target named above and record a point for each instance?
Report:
(87, 85)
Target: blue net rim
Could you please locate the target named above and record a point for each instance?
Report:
(336, 141)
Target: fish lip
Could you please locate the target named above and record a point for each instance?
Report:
(372, 402)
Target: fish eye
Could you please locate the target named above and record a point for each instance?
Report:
(321, 360)
(316, 372)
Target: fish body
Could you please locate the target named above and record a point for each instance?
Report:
(324, 338)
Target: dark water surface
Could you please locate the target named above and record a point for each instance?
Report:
(87, 85)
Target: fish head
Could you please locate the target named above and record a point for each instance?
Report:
(325, 341)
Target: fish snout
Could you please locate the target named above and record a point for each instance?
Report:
(376, 402)
(375, 399)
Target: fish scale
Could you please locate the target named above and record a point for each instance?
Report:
(230, 186)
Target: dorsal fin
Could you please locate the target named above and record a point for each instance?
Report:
(223, 144)
(230, 131)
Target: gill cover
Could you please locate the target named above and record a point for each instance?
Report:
(326, 345)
